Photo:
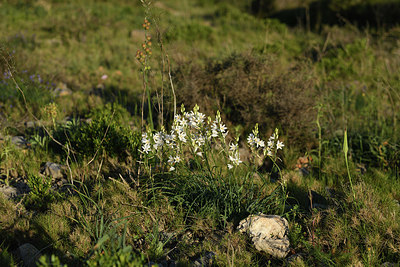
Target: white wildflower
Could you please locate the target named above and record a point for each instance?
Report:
(235, 159)
(222, 128)
(177, 159)
(171, 160)
(279, 145)
(259, 142)
(146, 146)
(218, 128)
(233, 147)
(214, 130)
(181, 136)
(170, 139)
(200, 140)
(158, 140)
(250, 140)
(270, 143)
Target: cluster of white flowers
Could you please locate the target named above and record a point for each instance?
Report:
(191, 133)
(255, 141)
(234, 157)
(195, 118)
(146, 146)
(172, 161)
(256, 144)
(188, 130)
(158, 141)
(179, 127)
(218, 127)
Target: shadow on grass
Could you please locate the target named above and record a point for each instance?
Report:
(132, 102)
(318, 13)
(38, 236)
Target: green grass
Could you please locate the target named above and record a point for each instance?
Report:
(254, 66)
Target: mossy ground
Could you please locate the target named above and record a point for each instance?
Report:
(253, 64)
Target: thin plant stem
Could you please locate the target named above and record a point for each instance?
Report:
(345, 150)
(172, 84)
(319, 141)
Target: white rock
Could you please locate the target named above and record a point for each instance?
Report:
(269, 233)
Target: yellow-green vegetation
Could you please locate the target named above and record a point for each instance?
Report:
(171, 121)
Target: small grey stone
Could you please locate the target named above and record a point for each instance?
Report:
(22, 186)
(19, 141)
(205, 260)
(269, 233)
(28, 254)
(389, 264)
(304, 171)
(52, 170)
(9, 191)
(295, 260)
(62, 90)
(30, 124)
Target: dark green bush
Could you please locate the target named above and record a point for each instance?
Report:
(41, 194)
(108, 132)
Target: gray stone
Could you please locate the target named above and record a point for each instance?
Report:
(9, 191)
(304, 171)
(30, 124)
(205, 260)
(295, 260)
(269, 233)
(52, 170)
(19, 141)
(21, 186)
(389, 264)
(28, 254)
(62, 90)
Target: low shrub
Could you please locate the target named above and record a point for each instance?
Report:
(250, 89)
(107, 132)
